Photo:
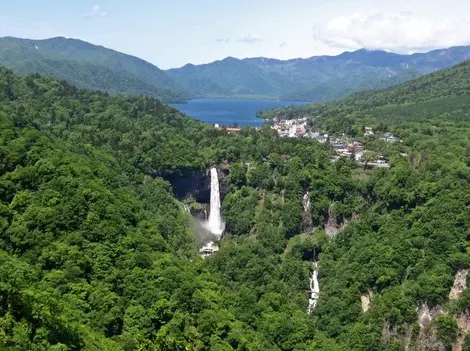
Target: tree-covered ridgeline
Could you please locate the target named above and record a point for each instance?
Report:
(441, 94)
(97, 254)
(314, 79)
(89, 66)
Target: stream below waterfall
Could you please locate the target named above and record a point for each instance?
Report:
(314, 289)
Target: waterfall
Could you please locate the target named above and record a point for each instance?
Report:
(307, 222)
(215, 223)
(314, 290)
(306, 202)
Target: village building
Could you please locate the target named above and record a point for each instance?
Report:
(232, 129)
(337, 144)
(368, 131)
(356, 149)
(390, 138)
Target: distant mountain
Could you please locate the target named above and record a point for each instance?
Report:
(89, 66)
(314, 79)
(443, 95)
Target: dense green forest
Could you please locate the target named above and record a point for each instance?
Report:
(97, 254)
(89, 66)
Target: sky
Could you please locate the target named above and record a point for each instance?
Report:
(172, 33)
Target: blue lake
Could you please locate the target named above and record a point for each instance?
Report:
(230, 111)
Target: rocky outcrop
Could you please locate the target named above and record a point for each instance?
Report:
(196, 184)
(463, 322)
(201, 212)
(427, 339)
(427, 315)
(366, 300)
(460, 284)
(331, 225)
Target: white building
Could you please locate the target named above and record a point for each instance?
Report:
(368, 131)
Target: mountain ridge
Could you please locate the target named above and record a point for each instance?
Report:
(444, 92)
(313, 79)
(302, 78)
(122, 73)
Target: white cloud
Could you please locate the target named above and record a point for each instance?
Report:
(250, 39)
(96, 11)
(403, 32)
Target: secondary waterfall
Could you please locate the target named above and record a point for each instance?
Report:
(314, 290)
(307, 222)
(215, 224)
(306, 202)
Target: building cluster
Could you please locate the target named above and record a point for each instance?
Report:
(291, 128)
(229, 129)
(388, 137)
(343, 146)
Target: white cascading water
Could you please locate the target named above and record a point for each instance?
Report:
(215, 224)
(314, 290)
(306, 202)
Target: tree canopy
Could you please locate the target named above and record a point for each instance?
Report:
(97, 254)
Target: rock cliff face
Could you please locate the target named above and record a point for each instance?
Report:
(334, 224)
(331, 223)
(463, 322)
(307, 222)
(460, 284)
(196, 183)
(427, 339)
(366, 300)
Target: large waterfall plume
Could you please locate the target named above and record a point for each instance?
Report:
(215, 224)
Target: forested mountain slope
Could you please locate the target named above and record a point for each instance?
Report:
(319, 78)
(89, 66)
(97, 254)
(444, 93)
(406, 250)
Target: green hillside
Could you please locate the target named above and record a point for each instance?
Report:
(96, 253)
(89, 66)
(315, 79)
(441, 94)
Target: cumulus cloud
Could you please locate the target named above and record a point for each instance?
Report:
(403, 32)
(250, 39)
(96, 11)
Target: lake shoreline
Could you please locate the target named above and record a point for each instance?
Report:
(242, 112)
